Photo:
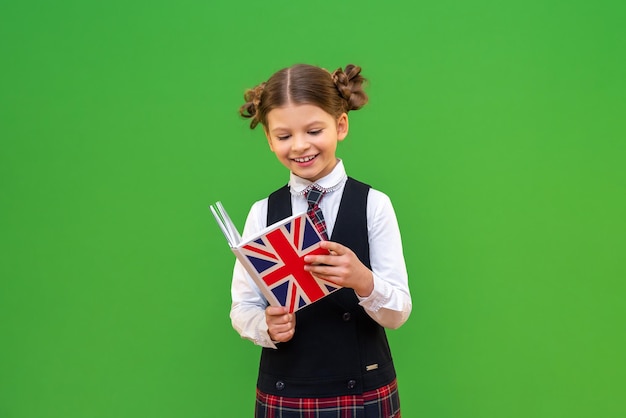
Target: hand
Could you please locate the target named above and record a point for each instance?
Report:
(281, 325)
(342, 267)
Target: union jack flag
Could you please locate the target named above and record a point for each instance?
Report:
(278, 258)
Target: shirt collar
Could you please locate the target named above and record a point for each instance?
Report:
(328, 183)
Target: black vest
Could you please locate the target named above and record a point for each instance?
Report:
(337, 348)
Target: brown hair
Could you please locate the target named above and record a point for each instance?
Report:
(336, 93)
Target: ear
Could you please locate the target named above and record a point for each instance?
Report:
(269, 138)
(342, 126)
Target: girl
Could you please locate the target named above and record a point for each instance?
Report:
(330, 359)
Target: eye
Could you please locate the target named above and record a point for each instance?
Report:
(315, 132)
(282, 137)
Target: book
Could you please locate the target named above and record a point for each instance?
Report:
(274, 258)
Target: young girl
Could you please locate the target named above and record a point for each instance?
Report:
(329, 359)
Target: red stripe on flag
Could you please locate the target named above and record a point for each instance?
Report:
(294, 265)
(260, 251)
(296, 233)
(294, 292)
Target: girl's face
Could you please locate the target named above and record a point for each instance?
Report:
(304, 139)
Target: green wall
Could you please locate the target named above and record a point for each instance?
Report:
(497, 128)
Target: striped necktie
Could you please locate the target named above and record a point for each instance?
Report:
(313, 197)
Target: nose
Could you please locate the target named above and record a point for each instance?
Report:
(299, 143)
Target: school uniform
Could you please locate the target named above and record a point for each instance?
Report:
(338, 363)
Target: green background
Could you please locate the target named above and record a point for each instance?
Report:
(497, 129)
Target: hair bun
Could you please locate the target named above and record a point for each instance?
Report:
(250, 109)
(349, 83)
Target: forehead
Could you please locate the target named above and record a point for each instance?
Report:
(293, 116)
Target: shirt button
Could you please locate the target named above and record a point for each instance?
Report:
(351, 383)
(280, 385)
(346, 316)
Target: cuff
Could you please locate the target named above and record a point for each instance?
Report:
(263, 337)
(378, 298)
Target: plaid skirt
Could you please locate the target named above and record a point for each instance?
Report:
(383, 402)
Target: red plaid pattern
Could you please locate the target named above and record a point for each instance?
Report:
(383, 402)
(313, 198)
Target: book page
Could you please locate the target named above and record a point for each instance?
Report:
(226, 224)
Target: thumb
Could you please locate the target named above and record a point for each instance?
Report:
(276, 310)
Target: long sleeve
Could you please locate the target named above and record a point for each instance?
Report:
(390, 302)
(247, 312)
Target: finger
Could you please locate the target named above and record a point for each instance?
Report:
(319, 270)
(278, 329)
(328, 276)
(319, 259)
(333, 247)
(283, 336)
(282, 332)
(276, 310)
(282, 319)
(279, 320)
(331, 259)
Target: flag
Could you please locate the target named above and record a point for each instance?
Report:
(278, 258)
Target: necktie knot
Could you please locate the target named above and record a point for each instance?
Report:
(313, 196)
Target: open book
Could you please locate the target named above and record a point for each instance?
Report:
(274, 258)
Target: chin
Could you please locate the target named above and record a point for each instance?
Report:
(307, 176)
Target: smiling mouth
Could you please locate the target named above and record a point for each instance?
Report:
(305, 159)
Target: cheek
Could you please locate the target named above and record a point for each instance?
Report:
(279, 148)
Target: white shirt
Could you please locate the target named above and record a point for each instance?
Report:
(389, 303)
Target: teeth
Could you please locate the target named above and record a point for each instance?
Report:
(304, 160)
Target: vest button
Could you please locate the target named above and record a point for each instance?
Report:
(346, 316)
(280, 385)
(351, 384)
